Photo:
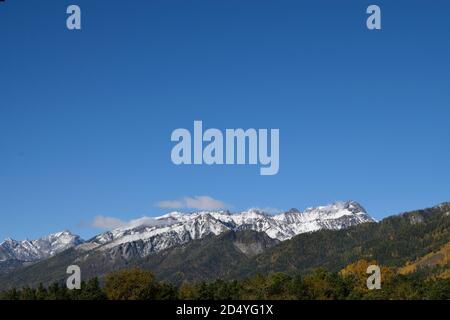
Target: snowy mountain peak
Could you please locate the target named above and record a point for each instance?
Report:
(33, 250)
(146, 235)
(8, 240)
(173, 215)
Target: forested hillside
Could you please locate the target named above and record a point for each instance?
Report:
(414, 240)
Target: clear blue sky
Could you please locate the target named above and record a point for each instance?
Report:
(86, 116)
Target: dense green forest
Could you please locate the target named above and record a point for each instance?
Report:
(348, 284)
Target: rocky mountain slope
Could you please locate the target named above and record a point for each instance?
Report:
(34, 250)
(235, 254)
(173, 229)
(148, 235)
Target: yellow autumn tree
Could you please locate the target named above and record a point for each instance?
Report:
(188, 291)
(131, 284)
(358, 270)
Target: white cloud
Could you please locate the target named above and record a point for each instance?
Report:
(146, 221)
(269, 210)
(110, 223)
(106, 223)
(171, 204)
(198, 202)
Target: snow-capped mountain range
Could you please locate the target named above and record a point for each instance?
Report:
(33, 250)
(148, 235)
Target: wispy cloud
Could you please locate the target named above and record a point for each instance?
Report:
(110, 223)
(268, 210)
(106, 223)
(197, 202)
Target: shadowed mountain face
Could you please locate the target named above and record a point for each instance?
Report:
(236, 254)
(392, 242)
(145, 236)
(149, 236)
(201, 259)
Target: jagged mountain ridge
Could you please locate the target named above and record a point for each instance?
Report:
(178, 228)
(42, 248)
(149, 235)
(392, 242)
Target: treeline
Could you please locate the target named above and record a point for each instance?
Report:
(350, 283)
